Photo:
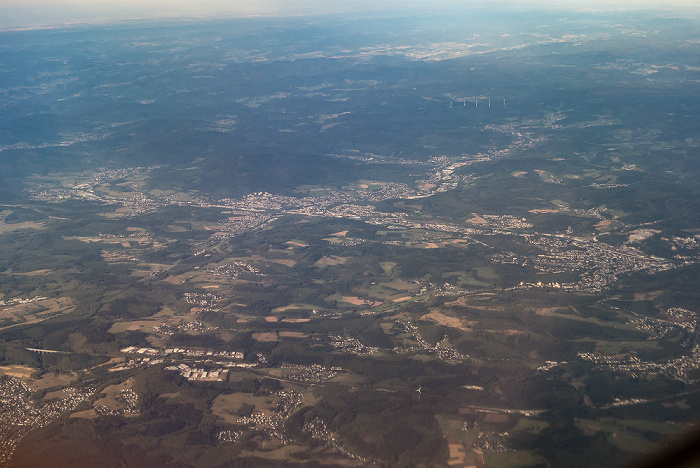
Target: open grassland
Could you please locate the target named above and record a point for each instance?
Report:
(21, 372)
(438, 317)
(112, 393)
(35, 312)
(53, 379)
(6, 227)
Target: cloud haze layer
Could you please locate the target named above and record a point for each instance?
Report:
(30, 13)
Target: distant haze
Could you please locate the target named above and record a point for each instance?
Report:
(34, 13)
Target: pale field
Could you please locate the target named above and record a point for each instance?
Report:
(650, 296)
(639, 235)
(507, 332)
(36, 312)
(519, 173)
(340, 233)
(147, 268)
(165, 312)
(331, 261)
(454, 322)
(456, 454)
(333, 240)
(400, 285)
(87, 414)
(214, 227)
(182, 278)
(266, 337)
(486, 272)
(111, 362)
(602, 225)
(282, 261)
(292, 307)
(296, 243)
(115, 257)
(53, 380)
(4, 227)
(372, 182)
(387, 266)
(549, 311)
(158, 192)
(348, 380)
(123, 241)
(118, 213)
(293, 334)
(176, 228)
(276, 373)
(111, 393)
(471, 301)
(399, 317)
(354, 300)
(476, 219)
(34, 273)
(20, 372)
(137, 325)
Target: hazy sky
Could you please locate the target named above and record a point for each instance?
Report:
(27, 13)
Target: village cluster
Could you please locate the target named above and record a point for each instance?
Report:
(22, 413)
(598, 264)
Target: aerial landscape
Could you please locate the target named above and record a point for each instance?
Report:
(460, 239)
